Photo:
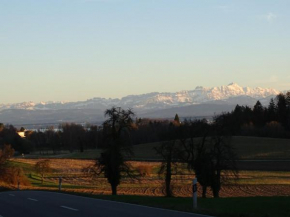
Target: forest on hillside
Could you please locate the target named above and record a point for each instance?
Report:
(270, 121)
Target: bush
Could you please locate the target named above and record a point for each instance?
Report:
(13, 175)
(42, 167)
(144, 170)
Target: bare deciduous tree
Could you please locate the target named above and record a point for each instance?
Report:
(169, 151)
(117, 147)
(43, 167)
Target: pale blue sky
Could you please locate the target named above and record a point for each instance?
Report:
(79, 49)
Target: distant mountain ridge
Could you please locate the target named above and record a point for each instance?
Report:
(155, 100)
(201, 101)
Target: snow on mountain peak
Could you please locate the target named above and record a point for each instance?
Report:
(234, 86)
(199, 88)
(155, 100)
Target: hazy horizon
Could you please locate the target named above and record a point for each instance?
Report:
(64, 101)
(73, 50)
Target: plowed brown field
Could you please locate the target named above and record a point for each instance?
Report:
(151, 185)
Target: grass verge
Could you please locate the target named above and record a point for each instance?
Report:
(220, 207)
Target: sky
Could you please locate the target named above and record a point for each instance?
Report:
(70, 50)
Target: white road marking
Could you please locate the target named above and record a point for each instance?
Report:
(12, 195)
(66, 207)
(130, 204)
(31, 199)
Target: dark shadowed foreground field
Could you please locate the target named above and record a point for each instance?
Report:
(221, 207)
(247, 148)
(38, 203)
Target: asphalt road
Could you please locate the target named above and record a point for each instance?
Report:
(51, 204)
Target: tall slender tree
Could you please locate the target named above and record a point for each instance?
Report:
(176, 119)
(169, 151)
(117, 148)
(271, 111)
(258, 113)
(282, 110)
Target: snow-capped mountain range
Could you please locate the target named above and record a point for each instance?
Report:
(201, 101)
(155, 100)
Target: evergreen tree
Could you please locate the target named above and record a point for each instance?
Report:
(288, 99)
(288, 109)
(271, 111)
(176, 119)
(282, 110)
(258, 113)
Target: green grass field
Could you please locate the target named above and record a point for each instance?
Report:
(262, 148)
(247, 148)
(220, 207)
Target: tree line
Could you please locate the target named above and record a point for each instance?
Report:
(265, 121)
(76, 137)
(68, 136)
(204, 147)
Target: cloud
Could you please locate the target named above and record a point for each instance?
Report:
(223, 7)
(86, 1)
(270, 17)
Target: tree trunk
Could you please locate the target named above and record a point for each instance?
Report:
(81, 145)
(215, 192)
(168, 179)
(204, 188)
(216, 188)
(217, 185)
(70, 143)
(114, 189)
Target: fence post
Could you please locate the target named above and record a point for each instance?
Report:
(59, 184)
(194, 193)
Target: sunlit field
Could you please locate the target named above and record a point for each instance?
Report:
(264, 181)
(249, 184)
